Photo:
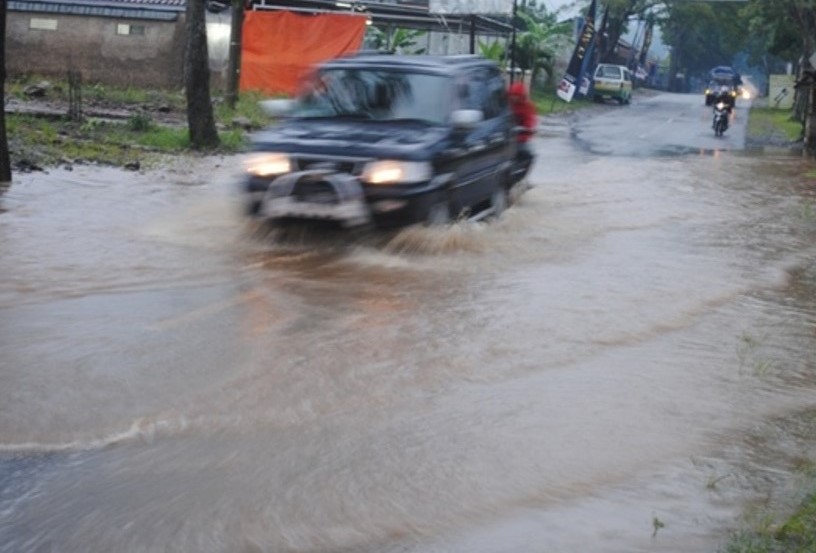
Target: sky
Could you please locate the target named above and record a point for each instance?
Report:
(569, 6)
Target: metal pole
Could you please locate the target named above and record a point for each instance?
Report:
(472, 34)
(234, 62)
(513, 45)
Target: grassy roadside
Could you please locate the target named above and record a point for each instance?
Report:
(780, 530)
(547, 103)
(796, 535)
(772, 127)
(122, 126)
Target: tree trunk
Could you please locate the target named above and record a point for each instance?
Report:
(674, 68)
(5, 162)
(810, 120)
(200, 120)
(613, 34)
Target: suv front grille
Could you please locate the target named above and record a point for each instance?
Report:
(318, 192)
(348, 166)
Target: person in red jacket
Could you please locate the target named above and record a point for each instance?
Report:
(523, 109)
(525, 113)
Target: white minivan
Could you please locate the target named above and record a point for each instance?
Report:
(612, 82)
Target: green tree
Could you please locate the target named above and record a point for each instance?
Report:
(200, 119)
(493, 51)
(701, 36)
(613, 23)
(5, 163)
(784, 29)
(787, 29)
(540, 40)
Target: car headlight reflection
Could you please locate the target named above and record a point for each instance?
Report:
(268, 164)
(395, 172)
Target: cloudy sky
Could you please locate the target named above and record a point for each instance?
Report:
(569, 6)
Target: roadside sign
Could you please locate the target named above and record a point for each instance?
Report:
(780, 91)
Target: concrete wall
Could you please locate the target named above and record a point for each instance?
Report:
(92, 46)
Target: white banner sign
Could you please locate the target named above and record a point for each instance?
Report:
(467, 7)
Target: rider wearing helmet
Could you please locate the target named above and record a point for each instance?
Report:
(725, 95)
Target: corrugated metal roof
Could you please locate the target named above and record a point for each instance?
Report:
(143, 4)
(154, 10)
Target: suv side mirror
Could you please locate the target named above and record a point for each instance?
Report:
(280, 107)
(463, 119)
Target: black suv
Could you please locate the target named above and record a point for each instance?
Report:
(392, 140)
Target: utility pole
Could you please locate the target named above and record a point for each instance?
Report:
(234, 62)
(513, 45)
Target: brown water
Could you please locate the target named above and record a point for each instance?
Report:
(632, 342)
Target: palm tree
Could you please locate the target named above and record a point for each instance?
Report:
(538, 44)
(493, 51)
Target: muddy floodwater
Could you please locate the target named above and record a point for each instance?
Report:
(623, 362)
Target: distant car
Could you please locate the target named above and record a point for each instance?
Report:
(612, 82)
(724, 89)
(388, 139)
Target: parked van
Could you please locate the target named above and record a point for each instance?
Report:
(612, 82)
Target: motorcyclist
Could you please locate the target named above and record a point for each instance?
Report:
(524, 112)
(725, 96)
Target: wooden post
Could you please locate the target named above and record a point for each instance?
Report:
(810, 119)
(5, 161)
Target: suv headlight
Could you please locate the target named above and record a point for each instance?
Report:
(390, 171)
(268, 164)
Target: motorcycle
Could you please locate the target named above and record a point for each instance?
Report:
(721, 113)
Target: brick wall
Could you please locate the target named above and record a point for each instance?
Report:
(111, 51)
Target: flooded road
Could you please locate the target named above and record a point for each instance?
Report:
(622, 363)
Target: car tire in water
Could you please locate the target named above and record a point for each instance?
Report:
(252, 208)
(499, 200)
(438, 214)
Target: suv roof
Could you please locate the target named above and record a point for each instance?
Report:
(441, 64)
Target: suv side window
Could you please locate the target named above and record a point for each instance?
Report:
(473, 92)
(484, 90)
(496, 94)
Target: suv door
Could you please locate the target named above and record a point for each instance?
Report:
(489, 147)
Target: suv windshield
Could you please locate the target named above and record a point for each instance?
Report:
(378, 94)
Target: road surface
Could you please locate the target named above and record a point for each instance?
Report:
(622, 363)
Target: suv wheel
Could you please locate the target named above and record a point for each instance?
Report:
(438, 214)
(498, 200)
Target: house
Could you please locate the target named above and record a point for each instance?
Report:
(116, 42)
(142, 42)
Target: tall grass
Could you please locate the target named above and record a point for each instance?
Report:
(766, 122)
(547, 102)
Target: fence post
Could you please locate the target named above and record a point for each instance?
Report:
(74, 95)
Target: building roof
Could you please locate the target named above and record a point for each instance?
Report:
(413, 14)
(158, 10)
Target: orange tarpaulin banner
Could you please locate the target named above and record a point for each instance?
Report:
(280, 47)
